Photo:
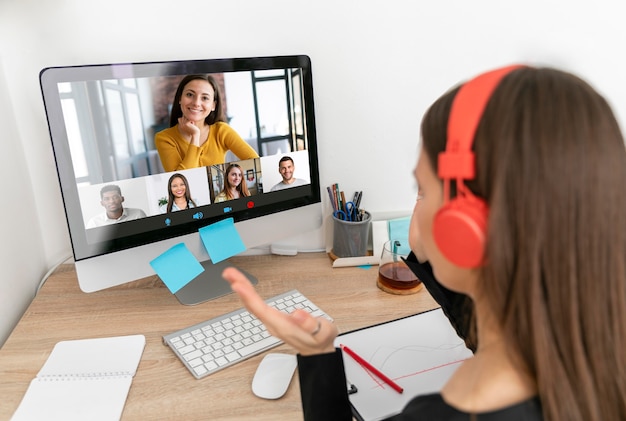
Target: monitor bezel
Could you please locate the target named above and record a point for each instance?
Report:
(50, 77)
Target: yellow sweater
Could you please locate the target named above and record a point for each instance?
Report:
(178, 154)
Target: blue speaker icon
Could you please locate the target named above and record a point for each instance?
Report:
(198, 215)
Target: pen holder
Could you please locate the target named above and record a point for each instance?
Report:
(350, 238)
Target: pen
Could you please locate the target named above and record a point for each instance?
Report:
(332, 200)
(371, 368)
(355, 201)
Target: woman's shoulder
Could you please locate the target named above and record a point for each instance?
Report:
(433, 406)
(222, 129)
(221, 125)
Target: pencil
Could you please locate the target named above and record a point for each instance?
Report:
(371, 368)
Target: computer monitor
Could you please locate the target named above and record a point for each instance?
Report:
(103, 119)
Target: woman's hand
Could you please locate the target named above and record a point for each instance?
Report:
(188, 128)
(307, 334)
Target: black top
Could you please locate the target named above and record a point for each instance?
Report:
(323, 383)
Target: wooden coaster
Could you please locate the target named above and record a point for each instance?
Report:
(407, 291)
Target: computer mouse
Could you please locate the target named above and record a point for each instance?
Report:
(273, 375)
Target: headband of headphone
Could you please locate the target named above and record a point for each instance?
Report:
(460, 225)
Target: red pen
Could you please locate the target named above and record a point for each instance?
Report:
(371, 368)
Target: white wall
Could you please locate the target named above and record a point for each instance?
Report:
(376, 67)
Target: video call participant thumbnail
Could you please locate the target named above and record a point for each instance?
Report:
(111, 200)
(234, 187)
(198, 135)
(178, 194)
(286, 168)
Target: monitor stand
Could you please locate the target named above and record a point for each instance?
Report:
(209, 284)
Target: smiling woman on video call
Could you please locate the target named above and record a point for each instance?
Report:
(178, 194)
(519, 233)
(234, 186)
(198, 135)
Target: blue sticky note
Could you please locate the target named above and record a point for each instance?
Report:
(221, 240)
(176, 267)
(399, 230)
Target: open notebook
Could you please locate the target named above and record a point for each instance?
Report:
(419, 353)
(85, 379)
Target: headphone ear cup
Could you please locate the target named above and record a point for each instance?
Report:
(460, 228)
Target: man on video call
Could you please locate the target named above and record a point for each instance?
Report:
(286, 170)
(111, 199)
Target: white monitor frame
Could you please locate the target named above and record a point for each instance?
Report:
(106, 261)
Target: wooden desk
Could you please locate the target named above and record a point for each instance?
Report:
(163, 389)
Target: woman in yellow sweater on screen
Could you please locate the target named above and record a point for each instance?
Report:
(198, 136)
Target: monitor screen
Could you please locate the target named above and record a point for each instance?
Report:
(149, 153)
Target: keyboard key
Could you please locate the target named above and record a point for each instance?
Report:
(259, 346)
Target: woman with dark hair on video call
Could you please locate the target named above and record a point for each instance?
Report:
(519, 233)
(179, 194)
(234, 186)
(198, 135)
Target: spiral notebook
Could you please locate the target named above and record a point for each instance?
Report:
(85, 379)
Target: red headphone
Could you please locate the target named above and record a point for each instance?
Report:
(460, 225)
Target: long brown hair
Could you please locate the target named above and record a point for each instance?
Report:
(551, 164)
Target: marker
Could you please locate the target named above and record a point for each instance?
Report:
(371, 368)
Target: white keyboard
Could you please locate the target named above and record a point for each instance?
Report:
(225, 340)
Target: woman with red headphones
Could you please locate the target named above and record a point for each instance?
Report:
(519, 233)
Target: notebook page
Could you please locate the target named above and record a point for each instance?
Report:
(95, 357)
(77, 399)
